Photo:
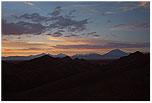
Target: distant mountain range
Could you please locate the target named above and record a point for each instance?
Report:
(113, 54)
(23, 57)
(47, 78)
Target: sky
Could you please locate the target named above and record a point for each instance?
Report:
(30, 28)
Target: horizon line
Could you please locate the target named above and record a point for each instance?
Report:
(71, 55)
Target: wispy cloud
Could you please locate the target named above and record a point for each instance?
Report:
(107, 45)
(91, 34)
(21, 28)
(123, 7)
(21, 44)
(72, 35)
(35, 23)
(56, 12)
(56, 34)
(132, 26)
(29, 3)
(34, 17)
(132, 6)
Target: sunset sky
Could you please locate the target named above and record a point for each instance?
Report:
(74, 27)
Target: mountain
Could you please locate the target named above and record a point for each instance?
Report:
(18, 58)
(43, 58)
(92, 56)
(113, 54)
(59, 55)
(21, 58)
(67, 58)
(64, 79)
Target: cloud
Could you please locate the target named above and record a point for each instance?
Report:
(78, 40)
(99, 12)
(72, 35)
(21, 52)
(56, 11)
(84, 5)
(109, 21)
(21, 28)
(29, 3)
(92, 34)
(23, 49)
(60, 30)
(4, 40)
(66, 22)
(69, 24)
(35, 17)
(132, 26)
(55, 21)
(108, 13)
(107, 45)
(132, 6)
(96, 35)
(121, 8)
(56, 34)
(127, 6)
(71, 12)
(21, 44)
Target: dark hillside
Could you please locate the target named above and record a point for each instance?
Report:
(47, 78)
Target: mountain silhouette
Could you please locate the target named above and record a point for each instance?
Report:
(113, 54)
(44, 57)
(48, 78)
(21, 58)
(93, 56)
(17, 58)
(67, 58)
(116, 53)
(59, 55)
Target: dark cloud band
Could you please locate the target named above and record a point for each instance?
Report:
(36, 24)
(108, 45)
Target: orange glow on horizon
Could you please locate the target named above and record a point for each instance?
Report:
(22, 48)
